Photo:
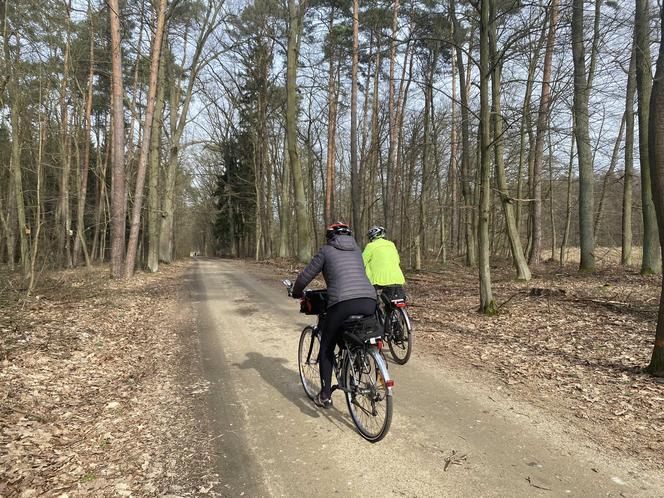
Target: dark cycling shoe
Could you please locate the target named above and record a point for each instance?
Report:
(319, 400)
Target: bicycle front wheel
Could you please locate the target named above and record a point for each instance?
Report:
(368, 393)
(308, 352)
(400, 339)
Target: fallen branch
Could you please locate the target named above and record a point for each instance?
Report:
(454, 459)
(36, 416)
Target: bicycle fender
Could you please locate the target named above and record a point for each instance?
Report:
(382, 365)
(407, 318)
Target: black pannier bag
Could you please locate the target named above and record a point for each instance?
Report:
(362, 330)
(393, 293)
(314, 302)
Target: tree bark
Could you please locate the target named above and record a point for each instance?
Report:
(153, 180)
(586, 177)
(63, 212)
(542, 125)
(17, 178)
(487, 304)
(466, 189)
(568, 215)
(285, 214)
(656, 137)
(85, 167)
(130, 261)
(628, 182)
(452, 174)
(651, 262)
(354, 166)
(331, 126)
(118, 214)
(516, 249)
(392, 123)
(525, 129)
(296, 13)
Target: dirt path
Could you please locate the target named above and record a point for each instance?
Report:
(271, 441)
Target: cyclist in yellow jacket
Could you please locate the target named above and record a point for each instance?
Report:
(381, 260)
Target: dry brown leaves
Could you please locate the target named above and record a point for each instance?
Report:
(574, 344)
(96, 395)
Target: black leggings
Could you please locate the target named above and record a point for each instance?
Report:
(334, 319)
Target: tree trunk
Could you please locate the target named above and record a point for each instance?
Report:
(568, 216)
(426, 151)
(284, 215)
(83, 185)
(526, 125)
(392, 123)
(651, 262)
(518, 257)
(63, 214)
(586, 177)
(552, 218)
(656, 136)
(487, 304)
(542, 125)
(354, 167)
(118, 214)
(17, 178)
(153, 180)
(452, 174)
(296, 13)
(130, 261)
(168, 199)
(331, 129)
(626, 256)
(466, 189)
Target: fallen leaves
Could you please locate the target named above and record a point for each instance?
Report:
(93, 398)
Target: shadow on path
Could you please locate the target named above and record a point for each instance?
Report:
(273, 371)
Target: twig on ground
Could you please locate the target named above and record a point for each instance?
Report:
(454, 459)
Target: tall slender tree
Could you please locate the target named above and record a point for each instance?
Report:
(296, 11)
(542, 125)
(651, 261)
(487, 304)
(656, 150)
(585, 157)
(118, 212)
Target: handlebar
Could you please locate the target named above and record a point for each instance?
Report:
(289, 286)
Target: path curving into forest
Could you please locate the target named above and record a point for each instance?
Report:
(272, 441)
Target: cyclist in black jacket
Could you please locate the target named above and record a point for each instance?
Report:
(349, 292)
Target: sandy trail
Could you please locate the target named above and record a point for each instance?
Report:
(272, 441)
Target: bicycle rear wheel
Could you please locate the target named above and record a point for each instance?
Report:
(368, 396)
(400, 339)
(308, 351)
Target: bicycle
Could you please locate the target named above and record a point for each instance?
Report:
(359, 367)
(393, 317)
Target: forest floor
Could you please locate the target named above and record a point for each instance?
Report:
(573, 344)
(100, 388)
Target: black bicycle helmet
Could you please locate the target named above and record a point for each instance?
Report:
(375, 232)
(338, 228)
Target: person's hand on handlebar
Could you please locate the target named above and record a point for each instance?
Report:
(289, 287)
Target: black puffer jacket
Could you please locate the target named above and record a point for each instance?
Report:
(340, 260)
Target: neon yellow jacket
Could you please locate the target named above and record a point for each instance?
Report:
(381, 261)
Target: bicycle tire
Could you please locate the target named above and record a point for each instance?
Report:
(368, 396)
(402, 348)
(307, 361)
